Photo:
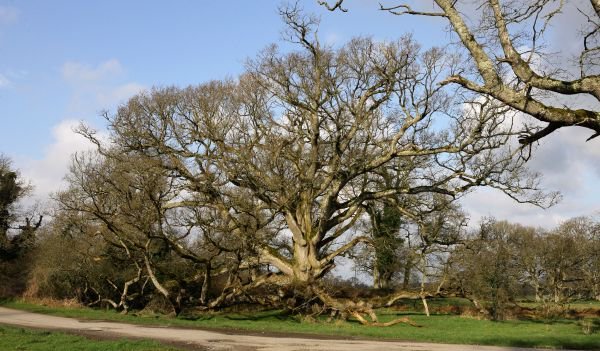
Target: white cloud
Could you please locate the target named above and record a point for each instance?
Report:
(568, 164)
(93, 88)
(4, 82)
(46, 174)
(485, 202)
(96, 88)
(8, 14)
(118, 94)
(78, 73)
(567, 161)
(10, 77)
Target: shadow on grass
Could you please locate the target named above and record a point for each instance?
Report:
(547, 321)
(5, 300)
(196, 317)
(264, 316)
(407, 314)
(546, 342)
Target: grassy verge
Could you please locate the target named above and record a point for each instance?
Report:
(582, 334)
(19, 339)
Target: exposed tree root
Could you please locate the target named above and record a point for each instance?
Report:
(375, 323)
(390, 300)
(359, 310)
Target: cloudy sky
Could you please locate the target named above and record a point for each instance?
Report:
(63, 62)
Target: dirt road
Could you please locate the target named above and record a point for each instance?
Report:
(210, 340)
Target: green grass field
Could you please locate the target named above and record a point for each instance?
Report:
(19, 339)
(561, 333)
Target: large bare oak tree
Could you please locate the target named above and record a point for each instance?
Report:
(286, 158)
(505, 43)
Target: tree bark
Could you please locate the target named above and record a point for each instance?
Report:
(205, 285)
(161, 289)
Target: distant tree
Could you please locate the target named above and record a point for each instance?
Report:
(503, 261)
(530, 246)
(570, 260)
(486, 267)
(386, 243)
(438, 234)
(591, 253)
(11, 189)
(16, 239)
(507, 60)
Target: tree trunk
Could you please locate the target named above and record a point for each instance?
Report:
(425, 305)
(125, 294)
(423, 277)
(376, 278)
(205, 285)
(407, 272)
(479, 307)
(306, 265)
(538, 298)
(557, 291)
(556, 295)
(438, 290)
(381, 280)
(163, 291)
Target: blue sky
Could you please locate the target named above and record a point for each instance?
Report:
(65, 61)
(149, 43)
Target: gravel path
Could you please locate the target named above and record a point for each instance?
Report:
(211, 340)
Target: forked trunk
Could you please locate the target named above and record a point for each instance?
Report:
(381, 280)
